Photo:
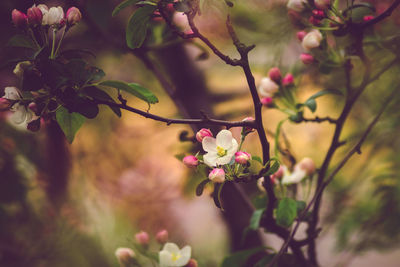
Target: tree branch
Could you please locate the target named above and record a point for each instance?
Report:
(383, 15)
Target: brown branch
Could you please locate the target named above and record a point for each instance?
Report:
(319, 120)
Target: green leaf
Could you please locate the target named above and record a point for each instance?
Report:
(257, 158)
(301, 205)
(133, 89)
(286, 212)
(311, 104)
(239, 258)
(273, 168)
(255, 219)
(123, 5)
(98, 94)
(200, 187)
(325, 92)
(277, 134)
(264, 261)
(20, 40)
(69, 122)
(179, 156)
(136, 29)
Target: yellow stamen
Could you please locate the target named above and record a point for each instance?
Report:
(176, 257)
(221, 151)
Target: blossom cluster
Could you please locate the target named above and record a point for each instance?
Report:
(169, 256)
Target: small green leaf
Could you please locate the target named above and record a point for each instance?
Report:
(255, 219)
(325, 92)
(123, 5)
(200, 187)
(257, 158)
(286, 212)
(311, 104)
(264, 261)
(69, 122)
(239, 258)
(20, 40)
(133, 89)
(98, 94)
(136, 29)
(301, 205)
(179, 156)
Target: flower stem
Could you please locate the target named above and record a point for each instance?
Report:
(59, 43)
(52, 55)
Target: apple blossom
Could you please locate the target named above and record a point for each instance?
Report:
(217, 175)
(275, 74)
(296, 5)
(242, 157)
(288, 80)
(306, 164)
(312, 40)
(73, 15)
(162, 236)
(220, 150)
(307, 59)
(35, 16)
(203, 133)
(19, 19)
(293, 178)
(142, 238)
(267, 87)
(322, 4)
(54, 16)
(172, 256)
(190, 161)
(124, 256)
(11, 93)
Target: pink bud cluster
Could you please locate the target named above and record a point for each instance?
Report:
(143, 238)
(267, 89)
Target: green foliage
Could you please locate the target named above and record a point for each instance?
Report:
(312, 104)
(69, 122)
(286, 212)
(134, 89)
(255, 219)
(136, 29)
(22, 41)
(98, 94)
(123, 5)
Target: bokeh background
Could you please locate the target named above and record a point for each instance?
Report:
(73, 205)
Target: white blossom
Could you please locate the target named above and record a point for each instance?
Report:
(296, 5)
(172, 256)
(312, 40)
(267, 87)
(53, 16)
(220, 149)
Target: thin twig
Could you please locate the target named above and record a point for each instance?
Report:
(383, 15)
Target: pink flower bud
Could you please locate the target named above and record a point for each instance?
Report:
(192, 263)
(368, 17)
(279, 173)
(32, 106)
(318, 14)
(314, 21)
(190, 161)
(300, 35)
(322, 4)
(217, 175)
(275, 74)
(73, 15)
(142, 238)
(308, 165)
(34, 125)
(19, 19)
(307, 59)
(124, 255)
(288, 80)
(5, 104)
(35, 16)
(267, 101)
(242, 157)
(203, 133)
(162, 236)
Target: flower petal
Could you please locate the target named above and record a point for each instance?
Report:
(171, 247)
(19, 116)
(210, 159)
(11, 93)
(185, 256)
(224, 160)
(165, 258)
(209, 144)
(224, 139)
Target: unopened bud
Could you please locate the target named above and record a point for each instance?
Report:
(368, 18)
(203, 133)
(242, 157)
(267, 87)
(300, 35)
(267, 101)
(307, 59)
(322, 4)
(275, 74)
(35, 16)
(288, 80)
(34, 125)
(142, 238)
(190, 161)
(217, 175)
(19, 19)
(192, 263)
(308, 165)
(162, 236)
(73, 15)
(312, 40)
(314, 21)
(124, 256)
(318, 14)
(32, 106)
(5, 104)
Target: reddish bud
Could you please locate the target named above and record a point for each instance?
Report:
(190, 161)
(162, 236)
(318, 14)
(368, 18)
(307, 59)
(275, 74)
(5, 104)
(142, 238)
(267, 101)
(300, 35)
(203, 133)
(35, 16)
(32, 106)
(314, 21)
(170, 8)
(73, 15)
(34, 125)
(288, 80)
(242, 157)
(19, 19)
(192, 263)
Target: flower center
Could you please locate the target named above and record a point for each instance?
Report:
(221, 151)
(176, 257)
